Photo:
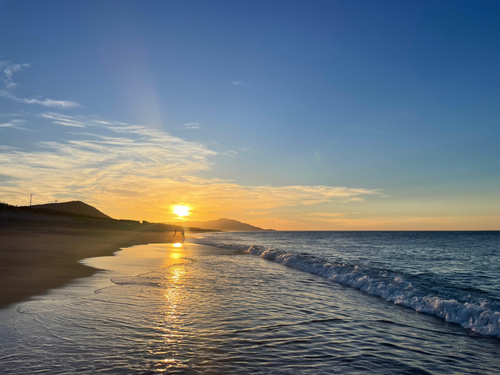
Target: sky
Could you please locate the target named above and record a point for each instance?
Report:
(292, 115)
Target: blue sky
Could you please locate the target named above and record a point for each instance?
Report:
(258, 111)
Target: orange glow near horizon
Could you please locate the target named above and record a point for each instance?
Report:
(177, 244)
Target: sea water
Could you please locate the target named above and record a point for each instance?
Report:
(272, 303)
(453, 275)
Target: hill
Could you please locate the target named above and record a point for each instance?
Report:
(224, 225)
(74, 207)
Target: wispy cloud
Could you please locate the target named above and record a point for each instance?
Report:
(50, 103)
(7, 70)
(191, 125)
(14, 123)
(64, 120)
(356, 199)
(249, 150)
(136, 170)
(230, 153)
(237, 82)
(63, 104)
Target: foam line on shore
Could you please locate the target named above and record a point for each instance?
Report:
(478, 317)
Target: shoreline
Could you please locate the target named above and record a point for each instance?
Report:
(35, 258)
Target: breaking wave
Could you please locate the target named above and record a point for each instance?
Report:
(479, 316)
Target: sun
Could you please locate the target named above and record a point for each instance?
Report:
(181, 210)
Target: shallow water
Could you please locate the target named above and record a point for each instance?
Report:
(193, 310)
(453, 275)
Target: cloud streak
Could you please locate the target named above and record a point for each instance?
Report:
(7, 70)
(14, 124)
(191, 125)
(63, 104)
(60, 119)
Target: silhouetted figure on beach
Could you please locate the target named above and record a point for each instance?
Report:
(182, 232)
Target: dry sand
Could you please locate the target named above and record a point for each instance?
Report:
(37, 257)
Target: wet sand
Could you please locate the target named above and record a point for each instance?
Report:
(35, 258)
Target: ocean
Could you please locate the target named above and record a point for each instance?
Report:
(271, 303)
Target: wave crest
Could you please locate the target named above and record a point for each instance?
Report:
(478, 317)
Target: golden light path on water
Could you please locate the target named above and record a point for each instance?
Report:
(169, 322)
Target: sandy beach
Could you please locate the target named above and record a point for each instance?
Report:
(37, 257)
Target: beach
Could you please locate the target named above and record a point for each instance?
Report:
(197, 309)
(36, 257)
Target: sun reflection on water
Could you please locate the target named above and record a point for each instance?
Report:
(172, 320)
(173, 293)
(176, 274)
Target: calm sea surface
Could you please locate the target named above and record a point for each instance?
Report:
(272, 303)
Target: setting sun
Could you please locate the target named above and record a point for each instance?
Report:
(181, 211)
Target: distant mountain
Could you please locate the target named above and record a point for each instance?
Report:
(224, 225)
(74, 207)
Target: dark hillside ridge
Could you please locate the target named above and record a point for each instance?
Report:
(73, 207)
(225, 225)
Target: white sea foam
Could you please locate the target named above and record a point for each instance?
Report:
(478, 317)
